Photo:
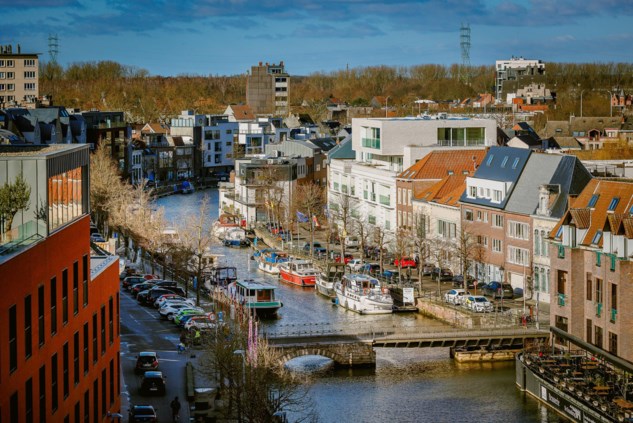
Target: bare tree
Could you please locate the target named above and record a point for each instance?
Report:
(440, 250)
(362, 229)
(340, 209)
(402, 246)
(465, 248)
(380, 240)
(309, 200)
(420, 241)
(197, 237)
(106, 188)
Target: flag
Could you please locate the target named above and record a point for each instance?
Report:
(302, 217)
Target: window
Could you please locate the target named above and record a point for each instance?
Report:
(111, 381)
(544, 251)
(596, 237)
(76, 358)
(496, 245)
(10, 87)
(95, 349)
(111, 320)
(28, 329)
(95, 400)
(84, 283)
(53, 306)
(589, 288)
(497, 221)
(40, 315)
(29, 86)
(77, 412)
(589, 330)
(598, 258)
(446, 229)
(614, 203)
(10, 75)
(116, 317)
(2, 63)
(13, 408)
(65, 296)
(472, 192)
(86, 354)
(614, 297)
(468, 215)
(76, 288)
(42, 397)
(561, 282)
(65, 370)
(597, 336)
(29, 62)
(503, 163)
(103, 330)
(515, 163)
(490, 158)
(54, 387)
(87, 406)
(13, 339)
(496, 196)
(519, 230)
(613, 343)
(103, 392)
(593, 200)
(28, 395)
(520, 256)
(598, 290)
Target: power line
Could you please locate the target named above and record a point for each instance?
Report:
(464, 43)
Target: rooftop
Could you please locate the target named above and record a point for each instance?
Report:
(438, 164)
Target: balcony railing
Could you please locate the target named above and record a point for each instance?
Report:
(598, 309)
(614, 313)
(371, 142)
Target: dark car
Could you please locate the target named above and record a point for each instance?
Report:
(142, 413)
(153, 383)
(146, 361)
(499, 290)
(165, 284)
(140, 287)
(443, 273)
(315, 246)
(149, 296)
(392, 276)
(458, 281)
(132, 280)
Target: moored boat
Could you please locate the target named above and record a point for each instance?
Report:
(298, 272)
(327, 278)
(235, 237)
(224, 223)
(268, 261)
(363, 294)
(256, 296)
(221, 276)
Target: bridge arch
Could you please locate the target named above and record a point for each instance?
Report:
(291, 353)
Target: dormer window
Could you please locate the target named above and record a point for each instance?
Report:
(593, 200)
(472, 192)
(559, 232)
(614, 203)
(596, 237)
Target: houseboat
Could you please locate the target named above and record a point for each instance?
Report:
(235, 237)
(256, 296)
(298, 272)
(224, 223)
(325, 281)
(221, 276)
(363, 294)
(268, 261)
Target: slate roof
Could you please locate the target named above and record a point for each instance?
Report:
(325, 144)
(343, 150)
(440, 163)
(567, 142)
(591, 209)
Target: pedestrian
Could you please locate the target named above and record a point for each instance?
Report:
(183, 337)
(175, 409)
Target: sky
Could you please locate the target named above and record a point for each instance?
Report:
(227, 37)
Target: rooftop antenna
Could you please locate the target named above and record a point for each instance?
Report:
(53, 47)
(464, 43)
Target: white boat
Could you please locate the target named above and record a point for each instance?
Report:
(224, 223)
(268, 261)
(235, 237)
(363, 294)
(327, 278)
(298, 272)
(256, 296)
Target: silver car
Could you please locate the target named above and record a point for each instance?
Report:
(456, 296)
(478, 304)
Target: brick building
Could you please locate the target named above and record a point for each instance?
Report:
(59, 355)
(592, 270)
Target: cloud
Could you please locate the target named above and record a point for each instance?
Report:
(30, 4)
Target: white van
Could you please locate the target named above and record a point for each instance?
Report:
(352, 242)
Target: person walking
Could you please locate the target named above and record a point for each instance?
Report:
(175, 409)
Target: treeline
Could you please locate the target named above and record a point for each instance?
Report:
(109, 85)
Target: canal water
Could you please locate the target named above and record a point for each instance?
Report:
(408, 385)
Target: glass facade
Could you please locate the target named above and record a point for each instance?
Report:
(460, 137)
(64, 198)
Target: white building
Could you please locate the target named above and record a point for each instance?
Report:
(253, 136)
(381, 145)
(513, 70)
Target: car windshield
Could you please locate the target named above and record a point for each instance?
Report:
(146, 359)
(481, 300)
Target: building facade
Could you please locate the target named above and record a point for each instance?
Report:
(268, 89)
(513, 70)
(592, 270)
(19, 77)
(59, 359)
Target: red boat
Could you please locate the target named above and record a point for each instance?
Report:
(298, 272)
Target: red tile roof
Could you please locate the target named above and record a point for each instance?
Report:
(440, 163)
(447, 191)
(599, 216)
(242, 112)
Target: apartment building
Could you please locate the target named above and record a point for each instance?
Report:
(592, 270)
(313, 151)
(268, 89)
(384, 147)
(19, 77)
(500, 200)
(513, 70)
(59, 359)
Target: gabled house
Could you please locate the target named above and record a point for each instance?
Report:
(591, 250)
(239, 113)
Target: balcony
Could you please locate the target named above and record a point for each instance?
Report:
(598, 309)
(371, 142)
(562, 299)
(614, 313)
(385, 200)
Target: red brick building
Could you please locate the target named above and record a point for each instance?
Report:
(59, 355)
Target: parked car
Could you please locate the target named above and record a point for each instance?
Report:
(392, 275)
(140, 287)
(191, 311)
(337, 257)
(355, 265)
(142, 413)
(458, 281)
(478, 304)
(171, 297)
(427, 269)
(128, 271)
(153, 294)
(352, 242)
(168, 310)
(456, 296)
(165, 284)
(315, 246)
(97, 237)
(200, 322)
(132, 280)
(498, 290)
(146, 360)
(371, 269)
(404, 262)
(444, 274)
(153, 383)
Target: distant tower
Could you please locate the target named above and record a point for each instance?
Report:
(464, 43)
(53, 47)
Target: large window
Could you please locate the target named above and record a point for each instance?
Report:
(446, 229)
(28, 328)
(371, 138)
(461, 136)
(520, 256)
(40, 315)
(13, 339)
(518, 230)
(65, 202)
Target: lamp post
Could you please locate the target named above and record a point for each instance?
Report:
(501, 270)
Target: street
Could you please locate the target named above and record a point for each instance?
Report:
(143, 330)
